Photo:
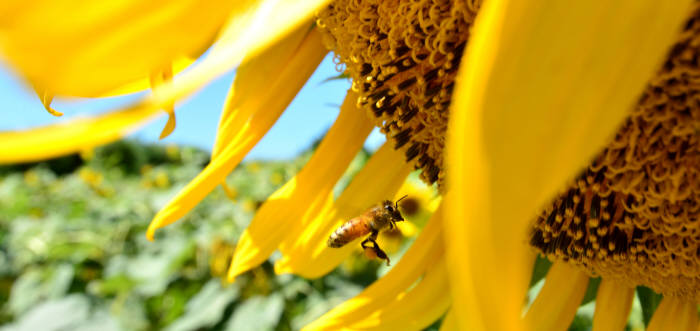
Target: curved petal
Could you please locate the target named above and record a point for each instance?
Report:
(556, 304)
(674, 314)
(307, 254)
(178, 65)
(46, 99)
(255, 113)
(419, 258)
(254, 82)
(98, 46)
(449, 323)
(307, 195)
(416, 308)
(158, 78)
(612, 306)
(246, 24)
(72, 136)
(254, 26)
(542, 86)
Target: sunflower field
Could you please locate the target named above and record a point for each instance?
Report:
(79, 260)
(73, 254)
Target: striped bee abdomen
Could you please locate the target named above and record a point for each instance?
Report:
(351, 230)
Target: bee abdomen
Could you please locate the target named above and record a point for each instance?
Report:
(348, 232)
(335, 241)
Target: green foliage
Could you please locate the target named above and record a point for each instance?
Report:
(73, 252)
(591, 290)
(649, 300)
(542, 265)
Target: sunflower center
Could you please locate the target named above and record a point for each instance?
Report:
(402, 57)
(633, 214)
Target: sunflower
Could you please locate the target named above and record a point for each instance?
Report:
(565, 129)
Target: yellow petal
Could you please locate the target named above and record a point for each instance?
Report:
(416, 308)
(449, 323)
(254, 78)
(46, 99)
(542, 87)
(308, 194)
(556, 304)
(87, 48)
(230, 192)
(135, 86)
(419, 257)
(158, 78)
(169, 125)
(674, 314)
(254, 26)
(258, 115)
(612, 306)
(72, 136)
(178, 66)
(307, 254)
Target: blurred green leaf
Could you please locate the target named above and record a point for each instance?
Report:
(206, 308)
(113, 285)
(39, 284)
(257, 314)
(53, 315)
(100, 321)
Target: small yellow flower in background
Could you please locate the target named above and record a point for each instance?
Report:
(146, 173)
(510, 108)
(253, 167)
(91, 177)
(146, 169)
(161, 179)
(276, 178)
(221, 254)
(230, 192)
(421, 200)
(95, 181)
(87, 154)
(31, 178)
(173, 151)
(249, 205)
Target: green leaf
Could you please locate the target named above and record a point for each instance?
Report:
(206, 308)
(113, 285)
(37, 285)
(257, 313)
(649, 300)
(53, 315)
(591, 291)
(540, 270)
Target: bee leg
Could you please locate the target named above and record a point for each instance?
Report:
(375, 247)
(372, 238)
(380, 253)
(364, 243)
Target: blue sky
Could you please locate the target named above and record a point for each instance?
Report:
(310, 114)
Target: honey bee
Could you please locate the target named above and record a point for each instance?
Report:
(381, 216)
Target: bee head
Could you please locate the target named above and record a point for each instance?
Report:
(393, 209)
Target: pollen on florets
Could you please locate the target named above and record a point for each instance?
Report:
(402, 57)
(633, 214)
